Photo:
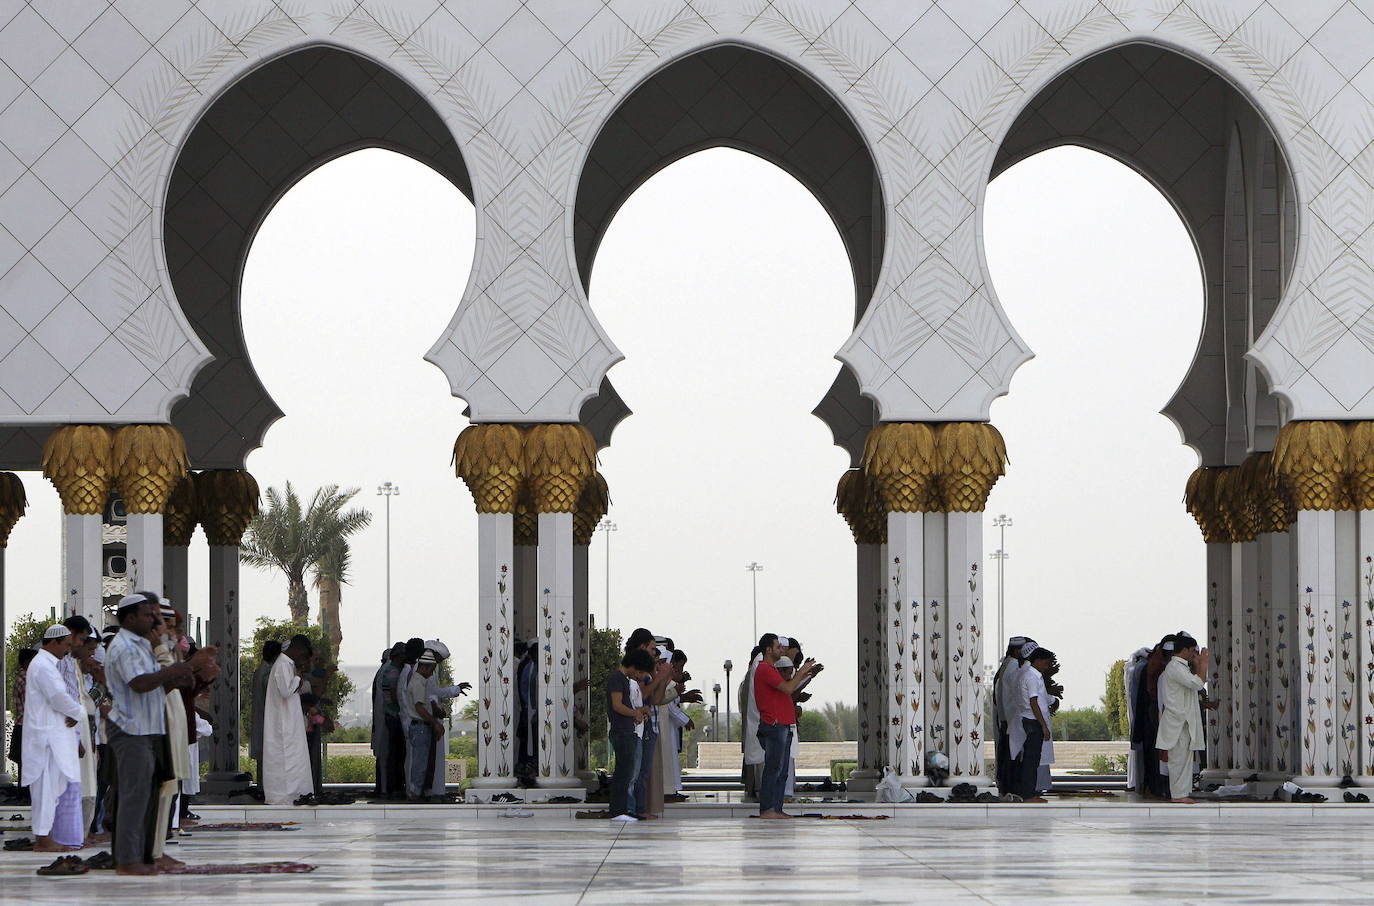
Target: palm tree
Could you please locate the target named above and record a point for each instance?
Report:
(331, 574)
(296, 540)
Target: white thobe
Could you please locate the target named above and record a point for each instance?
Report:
(285, 757)
(51, 759)
(438, 783)
(749, 708)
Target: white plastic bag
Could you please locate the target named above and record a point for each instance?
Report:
(890, 788)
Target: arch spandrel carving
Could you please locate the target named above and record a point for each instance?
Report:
(524, 87)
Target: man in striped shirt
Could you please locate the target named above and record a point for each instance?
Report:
(137, 726)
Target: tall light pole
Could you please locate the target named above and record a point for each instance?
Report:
(728, 732)
(1001, 522)
(388, 490)
(607, 526)
(715, 710)
(754, 570)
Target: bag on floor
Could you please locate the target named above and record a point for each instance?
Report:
(890, 788)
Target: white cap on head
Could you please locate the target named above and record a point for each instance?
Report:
(1027, 648)
(56, 631)
(136, 598)
(784, 641)
(439, 648)
(783, 661)
(664, 654)
(427, 658)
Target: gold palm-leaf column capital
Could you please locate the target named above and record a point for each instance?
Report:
(858, 501)
(591, 506)
(900, 458)
(1311, 457)
(1236, 505)
(180, 516)
(559, 459)
(13, 503)
(1274, 508)
(226, 502)
(79, 461)
(490, 460)
(972, 457)
(1359, 464)
(1200, 498)
(149, 460)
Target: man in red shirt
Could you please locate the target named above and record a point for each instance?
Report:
(777, 720)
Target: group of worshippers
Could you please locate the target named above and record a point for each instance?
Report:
(410, 712)
(1024, 698)
(644, 699)
(108, 728)
(770, 703)
(290, 721)
(1165, 697)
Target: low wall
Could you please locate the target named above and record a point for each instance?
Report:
(723, 757)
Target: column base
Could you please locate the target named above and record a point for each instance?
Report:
(1327, 781)
(589, 780)
(863, 780)
(560, 783)
(498, 783)
(224, 786)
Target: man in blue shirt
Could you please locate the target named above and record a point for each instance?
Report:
(137, 727)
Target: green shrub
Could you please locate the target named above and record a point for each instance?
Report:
(840, 769)
(462, 747)
(1109, 764)
(350, 769)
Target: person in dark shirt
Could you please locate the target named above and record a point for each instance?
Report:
(626, 712)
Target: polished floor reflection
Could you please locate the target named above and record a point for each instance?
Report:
(935, 855)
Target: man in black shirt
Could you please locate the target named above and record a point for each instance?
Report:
(626, 712)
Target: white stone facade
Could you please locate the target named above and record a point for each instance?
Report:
(100, 105)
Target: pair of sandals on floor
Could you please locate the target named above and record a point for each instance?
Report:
(69, 866)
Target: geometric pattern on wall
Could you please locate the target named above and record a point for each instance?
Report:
(96, 99)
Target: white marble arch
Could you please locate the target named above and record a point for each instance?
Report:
(97, 99)
(1202, 144)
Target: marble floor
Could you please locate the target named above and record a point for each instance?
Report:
(922, 856)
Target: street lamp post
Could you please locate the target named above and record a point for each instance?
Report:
(607, 526)
(715, 708)
(728, 731)
(1001, 522)
(754, 570)
(715, 725)
(388, 490)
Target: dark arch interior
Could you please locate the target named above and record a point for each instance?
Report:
(732, 96)
(265, 133)
(1205, 146)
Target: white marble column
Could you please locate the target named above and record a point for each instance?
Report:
(583, 701)
(882, 683)
(224, 634)
(1219, 643)
(868, 607)
(556, 657)
(83, 568)
(1346, 639)
(145, 551)
(1316, 561)
(496, 679)
(1242, 656)
(1365, 646)
(964, 646)
(176, 577)
(1278, 653)
(935, 667)
(905, 625)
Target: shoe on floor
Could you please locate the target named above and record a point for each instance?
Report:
(626, 818)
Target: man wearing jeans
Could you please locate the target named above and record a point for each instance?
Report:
(424, 727)
(626, 711)
(1033, 710)
(777, 720)
(137, 728)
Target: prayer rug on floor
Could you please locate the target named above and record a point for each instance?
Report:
(245, 868)
(262, 826)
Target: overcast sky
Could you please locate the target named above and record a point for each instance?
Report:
(727, 288)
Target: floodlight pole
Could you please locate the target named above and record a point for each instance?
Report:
(388, 490)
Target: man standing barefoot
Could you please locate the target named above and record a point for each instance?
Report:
(1180, 719)
(777, 720)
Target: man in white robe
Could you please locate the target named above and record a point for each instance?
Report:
(1003, 691)
(52, 717)
(749, 742)
(285, 756)
(438, 697)
(1180, 719)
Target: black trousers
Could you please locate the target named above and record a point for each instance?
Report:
(395, 756)
(141, 765)
(1028, 765)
